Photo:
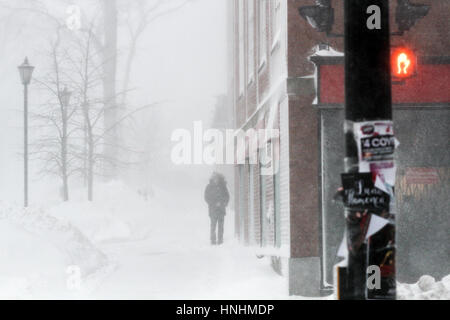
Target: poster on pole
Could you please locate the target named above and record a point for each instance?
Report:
(375, 141)
(360, 193)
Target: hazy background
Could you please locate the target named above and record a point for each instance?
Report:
(180, 60)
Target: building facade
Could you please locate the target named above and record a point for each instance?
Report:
(278, 60)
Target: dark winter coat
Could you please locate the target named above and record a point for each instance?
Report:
(217, 197)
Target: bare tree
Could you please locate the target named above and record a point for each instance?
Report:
(54, 119)
(87, 78)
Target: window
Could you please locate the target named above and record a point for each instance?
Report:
(262, 31)
(241, 48)
(251, 39)
(262, 201)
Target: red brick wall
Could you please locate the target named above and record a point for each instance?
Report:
(304, 169)
(303, 136)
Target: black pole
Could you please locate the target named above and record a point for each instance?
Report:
(367, 63)
(368, 99)
(25, 142)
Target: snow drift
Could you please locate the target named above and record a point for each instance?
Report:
(427, 288)
(117, 213)
(37, 249)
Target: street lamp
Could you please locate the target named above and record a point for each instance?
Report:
(25, 71)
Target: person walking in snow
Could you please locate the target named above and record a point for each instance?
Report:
(217, 197)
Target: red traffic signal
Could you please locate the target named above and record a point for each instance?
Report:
(403, 63)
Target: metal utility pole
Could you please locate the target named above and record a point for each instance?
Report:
(369, 272)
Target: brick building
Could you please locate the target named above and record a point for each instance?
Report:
(276, 85)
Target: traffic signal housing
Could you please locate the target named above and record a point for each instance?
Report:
(408, 14)
(320, 16)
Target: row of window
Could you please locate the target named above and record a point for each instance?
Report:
(263, 226)
(246, 30)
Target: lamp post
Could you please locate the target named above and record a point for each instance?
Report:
(25, 71)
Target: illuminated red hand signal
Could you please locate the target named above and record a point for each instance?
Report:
(403, 63)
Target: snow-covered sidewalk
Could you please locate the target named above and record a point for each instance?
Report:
(147, 271)
(176, 261)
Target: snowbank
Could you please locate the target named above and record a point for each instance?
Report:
(36, 250)
(427, 288)
(117, 213)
